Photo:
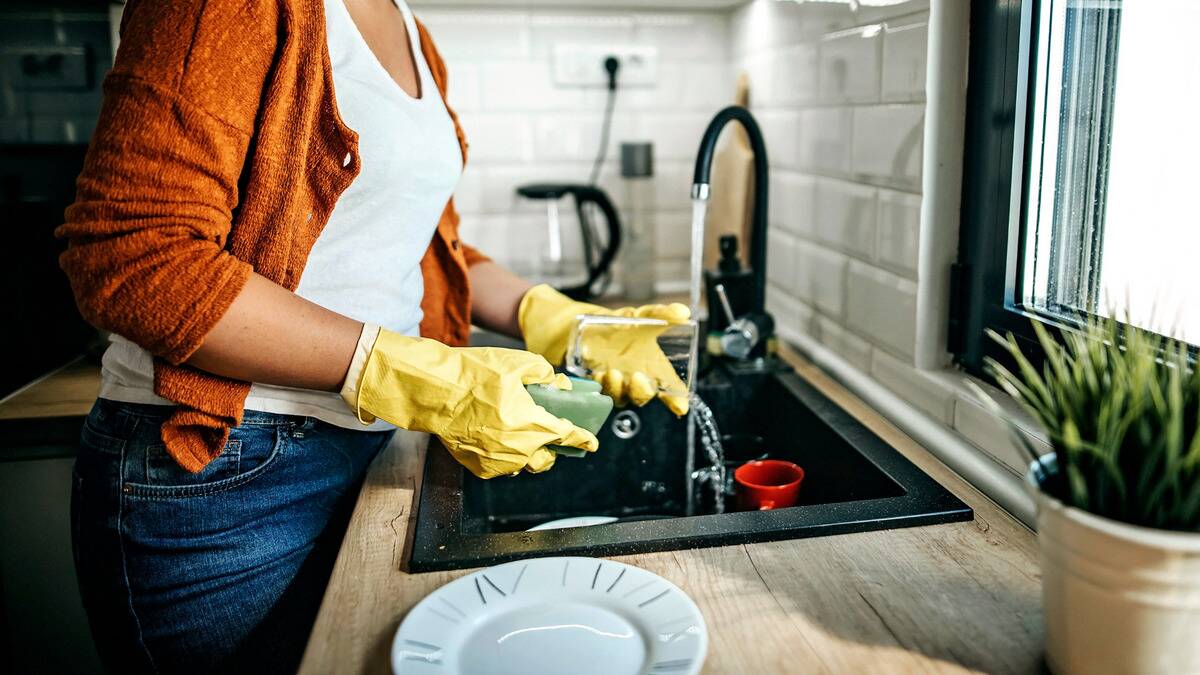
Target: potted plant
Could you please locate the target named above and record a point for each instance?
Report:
(1118, 499)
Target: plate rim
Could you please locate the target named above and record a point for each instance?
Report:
(702, 643)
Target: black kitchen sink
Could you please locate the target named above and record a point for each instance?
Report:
(642, 475)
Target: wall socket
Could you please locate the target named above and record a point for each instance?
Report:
(583, 65)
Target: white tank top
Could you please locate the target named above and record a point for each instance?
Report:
(367, 262)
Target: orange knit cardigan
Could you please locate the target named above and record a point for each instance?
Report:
(219, 150)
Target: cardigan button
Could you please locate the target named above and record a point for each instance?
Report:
(454, 244)
(346, 160)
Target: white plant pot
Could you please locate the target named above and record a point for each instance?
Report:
(1118, 598)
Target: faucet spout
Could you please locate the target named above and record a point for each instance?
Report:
(701, 189)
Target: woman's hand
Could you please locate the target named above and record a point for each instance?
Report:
(627, 362)
(473, 399)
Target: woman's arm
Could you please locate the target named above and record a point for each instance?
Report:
(274, 336)
(495, 295)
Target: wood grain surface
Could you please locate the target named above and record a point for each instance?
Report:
(70, 390)
(961, 597)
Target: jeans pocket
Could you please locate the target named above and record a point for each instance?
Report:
(248, 453)
(98, 437)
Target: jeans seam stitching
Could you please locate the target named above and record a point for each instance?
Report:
(206, 489)
(137, 623)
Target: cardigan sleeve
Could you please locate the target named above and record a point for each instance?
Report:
(474, 256)
(154, 205)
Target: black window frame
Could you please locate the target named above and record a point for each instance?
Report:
(986, 291)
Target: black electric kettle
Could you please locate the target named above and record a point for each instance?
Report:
(598, 252)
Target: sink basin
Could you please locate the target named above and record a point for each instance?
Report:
(642, 476)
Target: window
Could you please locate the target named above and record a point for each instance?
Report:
(1080, 169)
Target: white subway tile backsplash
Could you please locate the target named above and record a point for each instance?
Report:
(760, 69)
(781, 257)
(882, 308)
(782, 134)
(553, 28)
(987, 432)
(525, 86)
(905, 44)
(851, 347)
(474, 34)
(821, 278)
(468, 195)
(793, 75)
(465, 89)
(524, 129)
(845, 216)
(887, 144)
(504, 137)
(849, 65)
(676, 135)
(899, 231)
(825, 140)
(708, 86)
(497, 192)
(673, 185)
(664, 95)
(881, 11)
(791, 315)
(576, 136)
(913, 386)
(790, 201)
(673, 234)
(684, 35)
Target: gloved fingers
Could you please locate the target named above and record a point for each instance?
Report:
(564, 432)
(672, 313)
(561, 381)
(541, 460)
(482, 463)
(676, 404)
(577, 437)
(641, 389)
(534, 369)
(612, 382)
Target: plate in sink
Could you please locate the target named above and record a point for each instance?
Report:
(553, 615)
(577, 521)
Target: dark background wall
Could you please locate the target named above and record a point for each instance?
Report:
(53, 57)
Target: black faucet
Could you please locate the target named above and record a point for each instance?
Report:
(702, 190)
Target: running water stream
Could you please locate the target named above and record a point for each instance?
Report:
(699, 213)
(710, 438)
(701, 415)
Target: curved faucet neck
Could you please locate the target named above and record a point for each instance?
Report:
(701, 189)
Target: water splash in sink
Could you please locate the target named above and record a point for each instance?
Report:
(710, 440)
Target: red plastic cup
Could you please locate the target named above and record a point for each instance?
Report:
(767, 484)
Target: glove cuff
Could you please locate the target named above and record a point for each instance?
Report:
(545, 317)
(358, 364)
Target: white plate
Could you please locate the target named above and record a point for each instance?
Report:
(577, 521)
(574, 616)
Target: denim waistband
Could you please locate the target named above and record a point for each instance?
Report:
(107, 408)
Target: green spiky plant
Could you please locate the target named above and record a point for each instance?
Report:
(1122, 409)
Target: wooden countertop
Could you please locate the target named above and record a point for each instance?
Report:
(962, 597)
(70, 390)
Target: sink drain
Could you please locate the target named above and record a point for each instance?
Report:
(626, 424)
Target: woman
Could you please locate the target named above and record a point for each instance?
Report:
(264, 223)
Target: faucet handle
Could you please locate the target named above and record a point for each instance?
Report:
(719, 289)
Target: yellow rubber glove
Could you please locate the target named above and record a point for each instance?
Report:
(629, 365)
(473, 399)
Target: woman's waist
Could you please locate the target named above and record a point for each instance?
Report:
(127, 376)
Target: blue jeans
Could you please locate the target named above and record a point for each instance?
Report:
(221, 571)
